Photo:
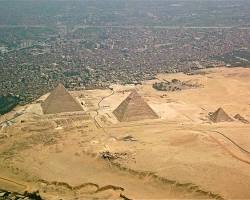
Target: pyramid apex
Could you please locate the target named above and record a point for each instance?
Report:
(60, 85)
(134, 94)
(220, 109)
(134, 91)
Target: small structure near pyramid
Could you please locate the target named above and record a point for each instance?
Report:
(220, 116)
(241, 119)
(60, 100)
(134, 108)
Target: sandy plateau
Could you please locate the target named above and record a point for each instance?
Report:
(90, 155)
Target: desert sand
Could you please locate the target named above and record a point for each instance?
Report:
(90, 154)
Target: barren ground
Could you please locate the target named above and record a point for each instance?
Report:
(180, 155)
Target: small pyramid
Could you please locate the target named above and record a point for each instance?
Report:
(60, 100)
(220, 116)
(240, 118)
(134, 108)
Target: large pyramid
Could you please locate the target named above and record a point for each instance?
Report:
(60, 101)
(220, 116)
(134, 108)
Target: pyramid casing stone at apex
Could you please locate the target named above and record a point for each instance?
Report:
(134, 108)
(59, 101)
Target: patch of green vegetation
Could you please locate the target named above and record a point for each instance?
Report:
(7, 103)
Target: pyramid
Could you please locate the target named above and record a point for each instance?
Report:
(220, 116)
(134, 108)
(240, 118)
(60, 101)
